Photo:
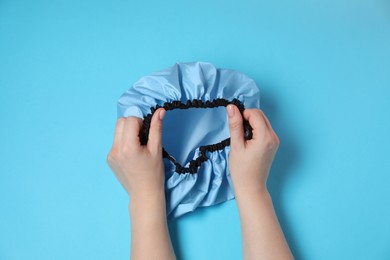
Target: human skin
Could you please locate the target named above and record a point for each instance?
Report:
(249, 165)
(140, 170)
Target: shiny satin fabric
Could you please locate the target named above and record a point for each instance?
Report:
(184, 131)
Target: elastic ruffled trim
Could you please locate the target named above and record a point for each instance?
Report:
(186, 192)
(195, 163)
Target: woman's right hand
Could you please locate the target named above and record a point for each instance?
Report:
(249, 164)
(250, 160)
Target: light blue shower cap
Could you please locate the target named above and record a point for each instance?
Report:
(195, 129)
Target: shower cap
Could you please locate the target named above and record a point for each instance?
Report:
(195, 140)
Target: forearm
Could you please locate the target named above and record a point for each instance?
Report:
(149, 232)
(262, 236)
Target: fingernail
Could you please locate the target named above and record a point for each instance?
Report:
(230, 110)
(161, 114)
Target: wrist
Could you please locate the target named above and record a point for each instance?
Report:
(252, 193)
(243, 187)
(147, 200)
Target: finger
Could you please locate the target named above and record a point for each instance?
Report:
(155, 132)
(131, 131)
(269, 125)
(118, 136)
(236, 127)
(266, 120)
(256, 121)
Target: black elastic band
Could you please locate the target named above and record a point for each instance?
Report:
(196, 103)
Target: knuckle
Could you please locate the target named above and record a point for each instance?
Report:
(277, 140)
(271, 142)
(108, 158)
(113, 152)
(268, 143)
(258, 111)
(254, 110)
(112, 156)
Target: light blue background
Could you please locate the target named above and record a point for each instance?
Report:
(323, 68)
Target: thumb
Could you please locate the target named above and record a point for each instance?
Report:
(155, 132)
(236, 127)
